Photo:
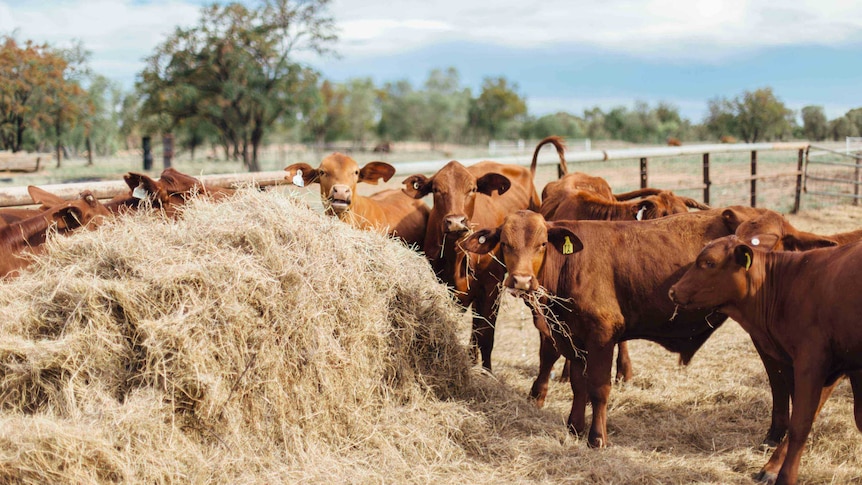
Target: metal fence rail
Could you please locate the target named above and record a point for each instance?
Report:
(837, 177)
(17, 196)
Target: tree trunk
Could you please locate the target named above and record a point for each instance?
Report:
(58, 130)
(89, 151)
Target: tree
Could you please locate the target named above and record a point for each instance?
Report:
(842, 127)
(814, 124)
(359, 109)
(444, 107)
(236, 71)
(497, 104)
(721, 119)
(400, 111)
(560, 123)
(760, 115)
(34, 92)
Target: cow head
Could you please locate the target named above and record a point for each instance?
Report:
(171, 190)
(664, 203)
(454, 189)
(85, 211)
(720, 275)
(771, 231)
(523, 240)
(338, 175)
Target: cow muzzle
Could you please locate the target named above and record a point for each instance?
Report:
(340, 197)
(455, 224)
(521, 282)
(675, 297)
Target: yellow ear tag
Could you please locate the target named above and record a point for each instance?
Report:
(747, 261)
(568, 247)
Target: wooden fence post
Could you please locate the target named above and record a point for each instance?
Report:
(146, 145)
(798, 196)
(856, 179)
(706, 182)
(753, 180)
(643, 173)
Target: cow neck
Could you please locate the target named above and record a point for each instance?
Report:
(610, 211)
(761, 311)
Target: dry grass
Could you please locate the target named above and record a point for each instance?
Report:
(254, 341)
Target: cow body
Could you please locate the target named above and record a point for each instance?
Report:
(29, 234)
(796, 308)
(390, 210)
(468, 199)
(608, 283)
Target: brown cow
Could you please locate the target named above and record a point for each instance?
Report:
(169, 192)
(578, 196)
(673, 141)
(390, 210)
(465, 200)
(608, 283)
(771, 231)
(29, 234)
(795, 306)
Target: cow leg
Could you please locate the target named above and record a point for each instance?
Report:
(624, 363)
(567, 369)
(484, 321)
(809, 394)
(599, 385)
(578, 379)
(780, 378)
(856, 385)
(548, 356)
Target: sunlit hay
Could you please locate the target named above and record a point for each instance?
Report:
(246, 339)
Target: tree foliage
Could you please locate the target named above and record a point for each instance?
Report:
(815, 127)
(235, 70)
(497, 104)
(760, 115)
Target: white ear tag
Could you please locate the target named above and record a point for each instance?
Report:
(297, 179)
(482, 239)
(140, 192)
(755, 241)
(640, 215)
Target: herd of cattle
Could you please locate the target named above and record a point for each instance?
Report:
(596, 268)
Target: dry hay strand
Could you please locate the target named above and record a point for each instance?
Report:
(247, 340)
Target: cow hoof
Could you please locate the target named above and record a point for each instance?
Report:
(769, 442)
(597, 443)
(766, 477)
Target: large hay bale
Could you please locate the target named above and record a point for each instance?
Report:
(247, 340)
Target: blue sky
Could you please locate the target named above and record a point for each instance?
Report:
(563, 55)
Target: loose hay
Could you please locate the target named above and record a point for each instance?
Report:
(247, 339)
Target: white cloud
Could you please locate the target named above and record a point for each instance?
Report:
(119, 33)
(688, 29)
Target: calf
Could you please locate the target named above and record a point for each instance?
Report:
(607, 283)
(801, 310)
(29, 234)
(771, 231)
(390, 210)
(467, 199)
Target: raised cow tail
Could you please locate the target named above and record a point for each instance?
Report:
(560, 145)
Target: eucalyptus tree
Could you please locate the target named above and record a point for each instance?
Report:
(237, 70)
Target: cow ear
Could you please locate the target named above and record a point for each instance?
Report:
(764, 241)
(373, 171)
(483, 241)
(564, 240)
(417, 186)
(693, 204)
(301, 172)
(743, 256)
(731, 219)
(646, 209)
(490, 182)
(803, 241)
(43, 197)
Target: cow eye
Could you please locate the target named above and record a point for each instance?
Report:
(356, 172)
(544, 244)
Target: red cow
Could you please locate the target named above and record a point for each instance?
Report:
(796, 308)
(29, 234)
(608, 282)
(391, 210)
(578, 196)
(170, 191)
(673, 142)
(465, 200)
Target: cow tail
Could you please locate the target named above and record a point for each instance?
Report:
(558, 143)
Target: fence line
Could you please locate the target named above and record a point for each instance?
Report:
(17, 196)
